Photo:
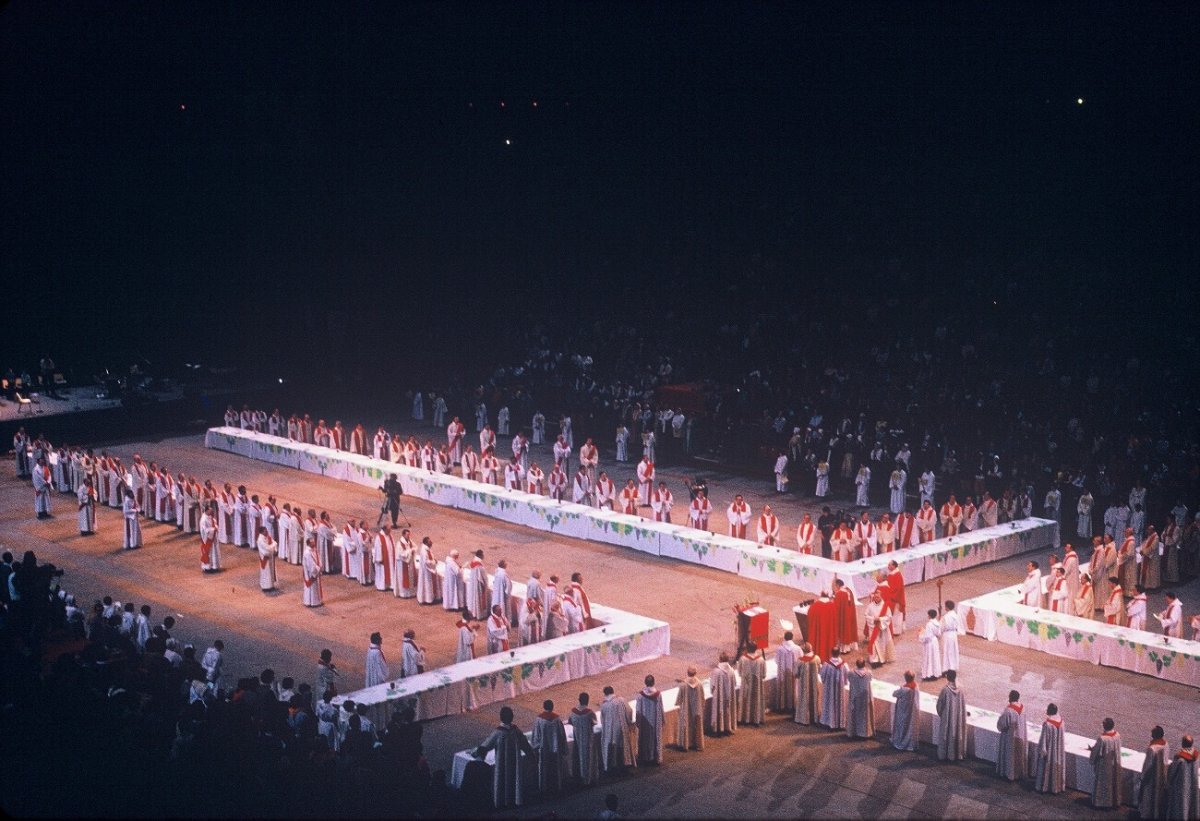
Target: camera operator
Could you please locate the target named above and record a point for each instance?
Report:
(392, 491)
(696, 487)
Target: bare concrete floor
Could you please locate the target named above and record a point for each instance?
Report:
(779, 770)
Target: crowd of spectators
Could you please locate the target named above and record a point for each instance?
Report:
(100, 709)
(1005, 393)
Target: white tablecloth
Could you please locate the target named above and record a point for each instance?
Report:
(811, 574)
(1000, 616)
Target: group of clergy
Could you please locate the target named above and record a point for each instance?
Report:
(1115, 583)
(141, 490)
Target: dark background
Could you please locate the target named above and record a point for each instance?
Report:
(297, 184)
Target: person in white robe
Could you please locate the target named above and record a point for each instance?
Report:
(1136, 610)
(931, 649)
(896, 484)
(877, 630)
(752, 671)
(723, 705)
(927, 523)
(605, 492)
(927, 485)
(383, 558)
(862, 485)
(453, 586)
(783, 688)
(537, 425)
(622, 443)
(616, 733)
(699, 510)
(508, 781)
(1083, 512)
(428, 588)
(808, 686)
(210, 548)
(562, 454)
(834, 678)
(766, 529)
(1014, 742)
(866, 536)
(952, 627)
(476, 594)
(311, 568)
(86, 495)
(502, 588)
(822, 488)
(412, 655)
(502, 420)
(661, 502)
(906, 715)
(133, 525)
(1183, 798)
(241, 503)
(41, 489)
(549, 743)
(352, 557)
(952, 721)
(1171, 618)
(1152, 783)
(268, 549)
(585, 762)
(405, 581)
(376, 664)
(556, 620)
(860, 713)
(464, 649)
(806, 535)
(497, 631)
(645, 477)
(1105, 756)
(573, 613)
(530, 621)
(1031, 587)
(650, 717)
(1050, 762)
(557, 482)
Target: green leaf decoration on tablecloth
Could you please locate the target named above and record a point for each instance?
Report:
(700, 548)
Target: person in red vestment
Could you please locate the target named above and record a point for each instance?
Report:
(822, 625)
(847, 617)
(895, 580)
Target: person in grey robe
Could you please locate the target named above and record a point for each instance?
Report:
(808, 686)
(650, 720)
(833, 691)
(861, 714)
(585, 763)
(783, 692)
(1014, 739)
(752, 668)
(1152, 783)
(952, 724)
(616, 732)
(1050, 769)
(689, 701)
(550, 743)
(723, 703)
(1183, 801)
(508, 787)
(1106, 767)
(907, 713)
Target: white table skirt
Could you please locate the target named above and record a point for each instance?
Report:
(1001, 616)
(789, 568)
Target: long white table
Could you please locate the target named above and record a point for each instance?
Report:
(620, 638)
(775, 565)
(1002, 616)
(983, 739)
